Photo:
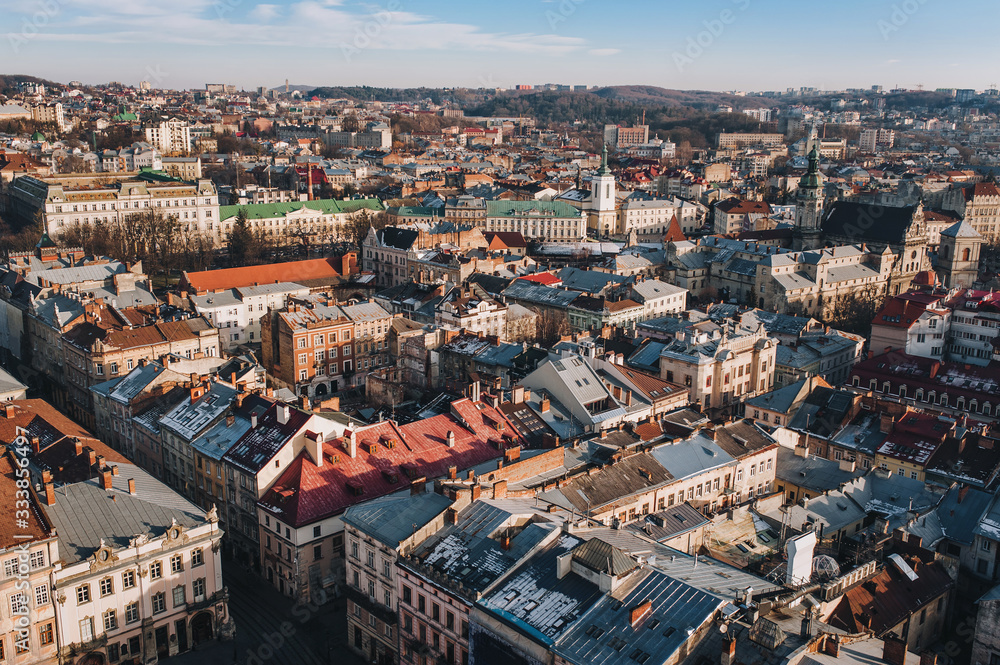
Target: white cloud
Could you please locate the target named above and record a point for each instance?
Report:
(306, 23)
(604, 51)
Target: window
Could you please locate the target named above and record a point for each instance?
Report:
(37, 560)
(83, 594)
(45, 635)
(107, 587)
(387, 598)
(176, 563)
(197, 557)
(371, 559)
(407, 595)
(421, 604)
(159, 602)
(128, 579)
(316, 531)
(318, 551)
(110, 620)
(18, 604)
(198, 588)
(302, 342)
(435, 611)
(86, 629)
(354, 550)
(41, 595)
(132, 612)
(155, 570)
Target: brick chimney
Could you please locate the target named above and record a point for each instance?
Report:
(450, 439)
(131, 486)
(418, 485)
(500, 489)
(928, 657)
(106, 479)
(728, 650)
(894, 651)
(50, 494)
(638, 612)
(545, 405)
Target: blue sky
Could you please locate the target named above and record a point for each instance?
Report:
(714, 45)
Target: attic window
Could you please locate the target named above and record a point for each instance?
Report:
(355, 487)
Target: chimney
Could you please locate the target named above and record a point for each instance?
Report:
(517, 395)
(304, 402)
(500, 489)
(314, 445)
(474, 391)
(886, 423)
(802, 451)
(452, 472)
(417, 486)
(848, 465)
(283, 412)
(131, 486)
(91, 457)
(728, 650)
(100, 461)
(230, 419)
(114, 469)
(350, 439)
(831, 645)
(709, 433)
(544, 407)
(928, 657)
(36, 444)
(8, 410)
(637, 613)
(563, 564)
(77, 447)
(253, 420)
(894, 651)
(50, 494)
(46, 476)
(450, 439)
(106, 479)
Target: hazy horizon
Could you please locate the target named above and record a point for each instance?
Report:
(730, 45)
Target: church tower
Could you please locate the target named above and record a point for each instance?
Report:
(809, 205)
(958, 255)
(602, 216)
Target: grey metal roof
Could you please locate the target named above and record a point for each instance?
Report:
(123, 389)
(814, 473)
(603, 557)
(693, 456)
(391, 519)
(670, 523)
(85, 513)
(536, 602)
(606, 636)
(189, 417)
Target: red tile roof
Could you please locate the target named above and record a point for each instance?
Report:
(232, 278)
(57, 439)
(674, 232)
(36, 527)
(504, 240)
(305, 493)
(890, 597)
(545, 278)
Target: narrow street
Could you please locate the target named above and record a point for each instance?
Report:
(271, 629)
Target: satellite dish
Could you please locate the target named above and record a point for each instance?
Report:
(825, 568)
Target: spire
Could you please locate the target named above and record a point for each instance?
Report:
(604, 170)
(812, 176)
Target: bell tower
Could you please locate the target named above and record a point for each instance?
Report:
(809, 205)
(603, 216)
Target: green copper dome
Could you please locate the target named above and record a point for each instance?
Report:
(38, 136)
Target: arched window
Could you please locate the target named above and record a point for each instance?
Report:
(873, 384)
(944, 399)
(920, 394)
(973, 406)
(902, 391)
(960, 403)
(856, 381)
(965, 254)
(886, 387)
(987, 409)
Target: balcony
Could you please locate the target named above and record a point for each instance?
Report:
(373, 607)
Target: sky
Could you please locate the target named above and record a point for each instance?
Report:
(747, 45)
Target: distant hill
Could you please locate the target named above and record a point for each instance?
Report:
(365, 93)
(9, 82)
(649, 95)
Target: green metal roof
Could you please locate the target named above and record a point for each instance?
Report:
(513, 208)
(322, 206)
